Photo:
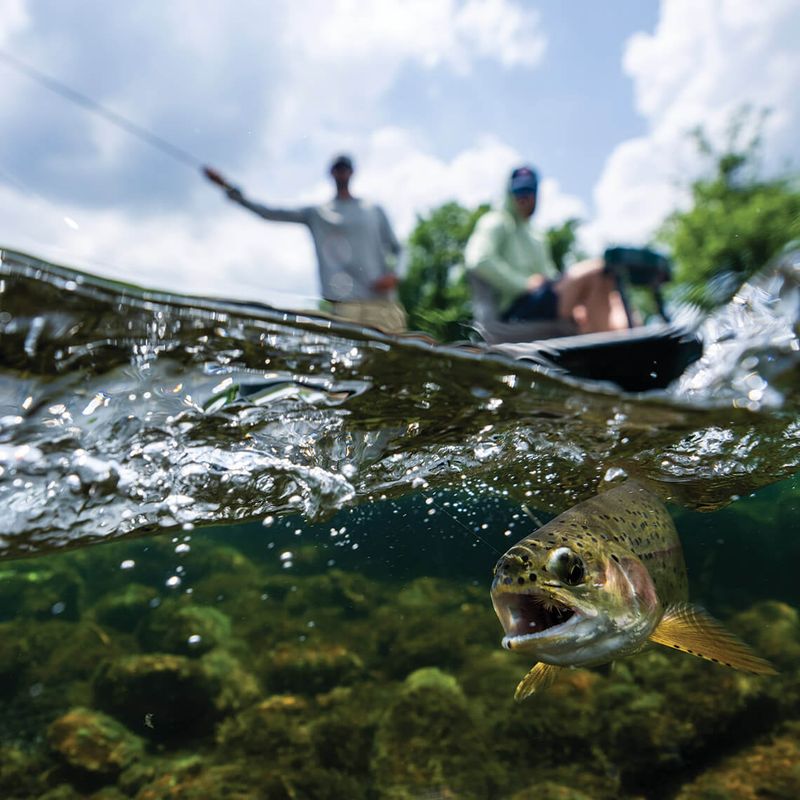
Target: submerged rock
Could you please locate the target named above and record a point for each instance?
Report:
(774, 628)
(171, 697)
(22, 773)
(94, 743)
(551, 791)
(769, 770)
(123, 611)
(274, 728)
(189, 630)
(35, 591)
(15, 655)
(429, 744)
(310, 668)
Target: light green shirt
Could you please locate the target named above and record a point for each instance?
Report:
(505, 251)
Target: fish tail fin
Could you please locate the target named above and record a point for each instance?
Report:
(537, 680)
(692, 630)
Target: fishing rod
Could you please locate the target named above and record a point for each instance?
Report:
(129, 126)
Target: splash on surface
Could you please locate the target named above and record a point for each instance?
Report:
(125, 411)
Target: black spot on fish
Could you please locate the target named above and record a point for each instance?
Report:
(520, 580)
(615, 557)
(532, 577)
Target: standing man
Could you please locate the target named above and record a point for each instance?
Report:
(509, 256)
(354, 243)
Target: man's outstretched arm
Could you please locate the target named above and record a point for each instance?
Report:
(272, 214)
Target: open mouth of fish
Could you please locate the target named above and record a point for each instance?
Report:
(526, 617)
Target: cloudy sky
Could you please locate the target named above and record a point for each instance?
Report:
(436, 100)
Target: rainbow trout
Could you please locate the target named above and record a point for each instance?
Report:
(600, 582)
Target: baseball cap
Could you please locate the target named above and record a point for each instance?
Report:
(523, 179)
(342, 160)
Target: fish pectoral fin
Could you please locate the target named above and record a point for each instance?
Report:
(691, 630)
(537, 680)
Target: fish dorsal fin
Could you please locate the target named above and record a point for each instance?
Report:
(691, 630)
(537, 680)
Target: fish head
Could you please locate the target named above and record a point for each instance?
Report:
(572, 604)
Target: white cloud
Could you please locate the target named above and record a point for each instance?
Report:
(341, 67)
(223, 252)
(555, 206)
(274, 87)
(14, 18)
(705, 60)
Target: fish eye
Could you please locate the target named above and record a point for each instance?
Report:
(567, 566)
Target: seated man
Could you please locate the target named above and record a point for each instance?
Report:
(507, 255)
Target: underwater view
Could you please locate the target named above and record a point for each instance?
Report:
(249, 553)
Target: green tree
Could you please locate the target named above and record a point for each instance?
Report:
(737, 220)
(562, 240)
(435, 291)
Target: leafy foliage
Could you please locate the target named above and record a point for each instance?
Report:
(736, 223)
(562, 240)
(435, 291)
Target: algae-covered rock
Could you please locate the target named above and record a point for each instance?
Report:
(548, 790)
(34, 591)
(22, 773)
(327, 758)
(93, 742)
(411, 639)
(429, 594)
(770, 770)
(674, 709)
(428, 743)
(346, 594)
(310, 668)
(774, 630)
(124, 610)
(189, 630)
(171, 697)
(67, 653)
(274, 728)
(62, 792)
(344, 726)
(15, 655)
(193, 781)
(250, 780)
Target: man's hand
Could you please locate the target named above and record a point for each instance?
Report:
(535, 282)
(233, 192)
(386, 282)
(216, 177)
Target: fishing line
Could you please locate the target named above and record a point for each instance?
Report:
(470, 531)
(76, 97)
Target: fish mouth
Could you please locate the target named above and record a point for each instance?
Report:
(529, 616)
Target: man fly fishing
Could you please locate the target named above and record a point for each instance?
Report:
(355, 245)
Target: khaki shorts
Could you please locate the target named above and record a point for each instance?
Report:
(385, 315)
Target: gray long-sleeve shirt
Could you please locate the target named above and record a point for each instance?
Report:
(352, 238)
